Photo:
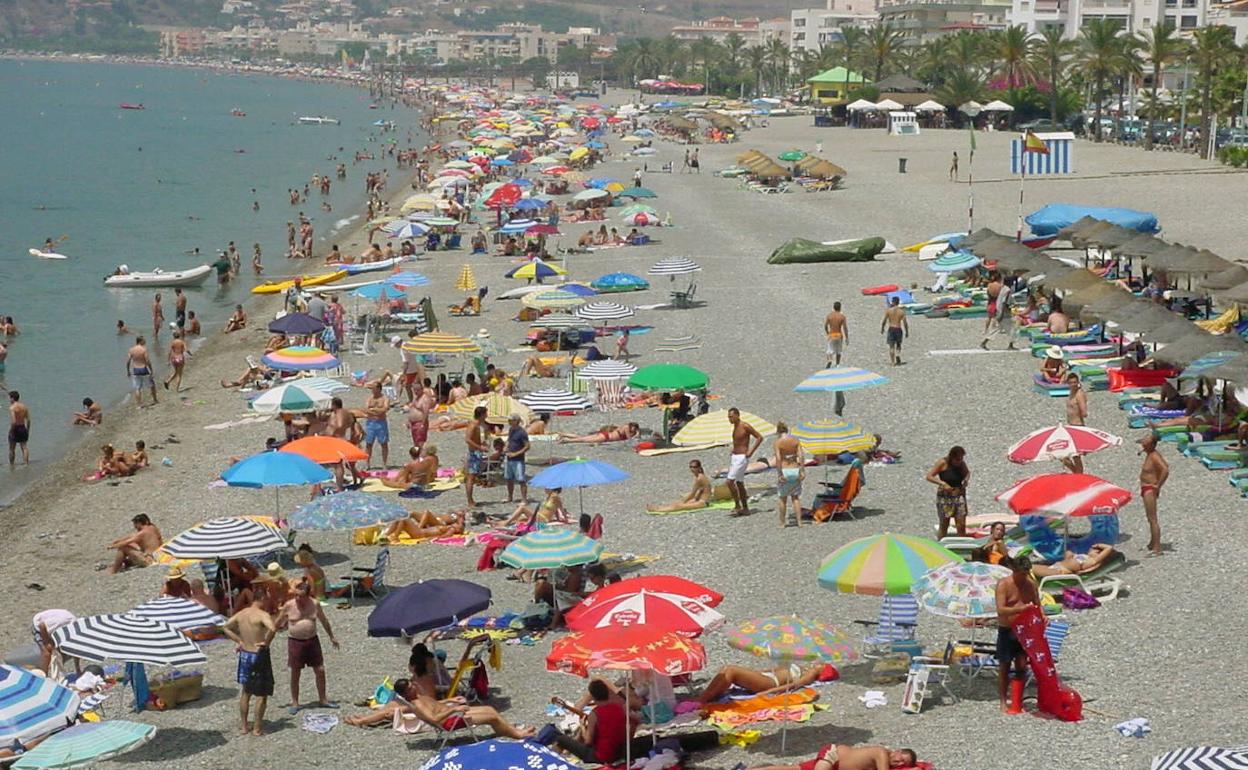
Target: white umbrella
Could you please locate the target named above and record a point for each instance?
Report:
(929, 106)
(674, 266)
(996, 105)
(862, 105)
(182, 614)
(127, 637)
(607, 369)
(889, 104)
(971, 108)
(555, 400)
(604, 311)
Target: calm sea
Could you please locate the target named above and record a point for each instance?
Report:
(143, 188)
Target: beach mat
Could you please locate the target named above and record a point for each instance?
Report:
(675, 450)
(720, 505)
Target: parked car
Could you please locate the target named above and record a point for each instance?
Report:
(1041, 126)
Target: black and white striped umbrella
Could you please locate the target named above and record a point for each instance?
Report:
(558, 321)
(230, 537)
(607, 369)
(178, 613)
(603, 311)
(127, 637)
(674, 266)
(1203, 758)
(555, 400)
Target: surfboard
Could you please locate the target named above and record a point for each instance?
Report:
(46, 254)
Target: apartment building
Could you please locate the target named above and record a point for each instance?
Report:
(922, 20)
(1132, 15)
(752, 31)
(813, 28)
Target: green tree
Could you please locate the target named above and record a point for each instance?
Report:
(1098, 55)
(777, 57)
(961, 87)
(1213, 50)
(1050, 54)
(1161, 46)
(1013, 51)
(640, 59)
(853, 40)
(882, 40)
(705, 54)
(756, 62)
(1127, 67)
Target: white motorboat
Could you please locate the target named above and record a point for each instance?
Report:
(190, 277)
(318, 120)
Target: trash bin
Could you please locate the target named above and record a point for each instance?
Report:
(901, 165)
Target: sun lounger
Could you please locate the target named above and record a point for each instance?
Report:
(1098, 582)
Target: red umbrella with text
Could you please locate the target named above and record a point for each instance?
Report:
(641, 606)
(1060, 442)
(1065, 494)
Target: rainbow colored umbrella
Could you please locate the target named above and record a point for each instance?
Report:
(299, 358)
(788, 637)
(832, 437)
(882, 564)
(960, 589)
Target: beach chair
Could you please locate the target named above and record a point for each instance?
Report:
(684, 299)
(1099, 582)
(984, 659)
(899, 615)
(372, 580)
(926, 674)
(1048, 545)
(440, 733)
(610, 394)
(839, 498)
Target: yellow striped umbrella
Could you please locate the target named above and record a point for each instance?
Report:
(440, 342)
(714, 428)
(498, 406)
(467, 280)
(832, 437)
(554, 298)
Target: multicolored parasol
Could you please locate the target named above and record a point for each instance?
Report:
(788, 637)
(346, 510)
(300, 358)
(960, 589)
(882, 564)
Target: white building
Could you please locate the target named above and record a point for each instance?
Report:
(1234, 15)
(753, 31)
(1133, 15)
(813, 28)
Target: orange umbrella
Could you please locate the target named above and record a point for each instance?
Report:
(326, 449)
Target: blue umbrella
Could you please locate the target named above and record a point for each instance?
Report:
(277, 470)
(407, 279)
(595, 145)
(579, 289)
(408, 230)
(426, 605)
(644, 132)
(577, 474)
(380, 291)
(599, 183)
(540, 268)
(31, 706)
(499, 754)
(502, 162)
(522, 182)
(620, 282)
(86, 744)
(297, 324)
(953, 262)
(528, 204)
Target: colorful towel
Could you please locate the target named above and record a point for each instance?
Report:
(785, 707)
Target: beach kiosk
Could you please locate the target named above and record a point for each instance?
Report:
(903, 123)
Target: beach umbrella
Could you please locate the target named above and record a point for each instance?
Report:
(555, 400)
(638, 208)
(550, 548)
(606, 369)
(535, 269)
(324, 384)
(668, 377)
(325, 450)
(542, 229)
(577, 474)
(882, 564)
(613, 282)
(297, 325)
(440, 342)
(227, 537)
(293, 397)
(604, 311)
(407, 229)
(85, 744)
(1060, 442)
(840, 378)
(275, 469)
(300, 358)
(641, 220)
(516, 226)
(832, 437)
(466, 281)
(636, 192)
(1065, 494)
(407, 280)
(525, 204)
(954, 262)
(346, 510)
(127, 637)
(788, 637)
(645, 151)
(674, 266)
(643, 607)
(590, 195)
(499, 754)
(960, 589)
(791, 155)
(714, 428)
(1202, 758)
(579, 289)
(426, 605)
(499, 408)
(635, 648)
(665, 584)
(551, 299)
(182, 614)
(558, 321)
(32, 706)
(380, 292)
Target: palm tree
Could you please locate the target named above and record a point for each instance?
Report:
(705, 52)
(1161, 45)
(1098, 54)
(1214, 49)
(883, 40)
(777, 58)
(1050, 52)
(756, 59)
(852, 39)
(961, 87)
(1127, 67)
(734, 45)
(642, 58)
(1013, 49)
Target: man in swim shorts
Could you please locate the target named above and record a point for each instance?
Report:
(474, 438)
(19, 428)
(376, 428)
(836, 326)
(897, 329)
(742, 433)
(139, 369)
(1153, 475)
(841, 757)
(252, 629)
(1016, 593)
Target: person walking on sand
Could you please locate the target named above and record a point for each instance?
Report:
(177, 361)
(1153, 475)
(474, 439)
(299, 616)
(252, 629)
(158, 317)
(953, 168)
(139, 370)
(790, 465)
(742, 450)
(836, 326)
(19, 428)
(897, 328)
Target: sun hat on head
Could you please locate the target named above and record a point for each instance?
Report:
(1055, 351)
(483, 332)
(175, 573)
(396, 340)
(274, 571)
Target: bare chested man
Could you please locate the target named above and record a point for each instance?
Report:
(179, 309)
(474, 438)
(1153, 475)
(790, 465)
(136, 550)
(897, 328)
(341, 421)
(252, 629)
(417, 411)
(300, 616)
(177, 362)
(699, 496)
(742, 433)
(1076, 414)
(836, 326)
(1015, 593)
(19, 428)
(139, 369)
(841, 757)
(158, 317)
(376, 427)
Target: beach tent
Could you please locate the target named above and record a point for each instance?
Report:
(862, 105)
(800, 250)
(997, 105)
(929, 106)
(1052, 218)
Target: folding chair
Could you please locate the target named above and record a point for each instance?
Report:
(440, 733)
(926, 674)
(372, 581)
(899, 615)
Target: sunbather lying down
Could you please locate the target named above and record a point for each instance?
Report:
(424, 524)
(1076, 563)
(449, 714)
(603, 435)
(766, 681)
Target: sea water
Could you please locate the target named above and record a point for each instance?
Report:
(144, 187)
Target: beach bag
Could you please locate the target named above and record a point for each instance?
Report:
(1079, 599)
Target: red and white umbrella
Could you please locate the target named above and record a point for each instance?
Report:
(1065, 494)
(1059, 442)
(652, 609)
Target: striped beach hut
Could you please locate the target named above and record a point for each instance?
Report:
(1060, 159)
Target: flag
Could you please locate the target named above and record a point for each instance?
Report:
(1033, 143)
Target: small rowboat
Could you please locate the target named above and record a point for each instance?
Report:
(191, 277)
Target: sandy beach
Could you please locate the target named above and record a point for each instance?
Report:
(1163, 650)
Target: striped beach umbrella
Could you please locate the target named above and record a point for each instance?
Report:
(674, 266)
(550, 548)
(467, 280)
(228, 537)
(406, 229)
(300, 358)
(668, 377)
(517, 226)
(294, 397)
(85, 744)
(499, 408)
(882, 564)
(182, 614)
(714, 428)
(954, 262)
(551, 299)
(324, 383)
(789, 637)
(832, 437)
(127, 637)
(960, 589)
(32, 706)
(604, 311)
(1059, 442)
(407, 279)
(346, 510)
(1065, 494)
(559, 321)
(440, 342)
(606, 369)
(1202, 758)
(839, 378)
(535, 269)
(555, 400)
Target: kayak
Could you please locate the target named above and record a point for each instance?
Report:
(371, 267)
(191, 277)
(46, 254)
(276, 287)
(350, 286)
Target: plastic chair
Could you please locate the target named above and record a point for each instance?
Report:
(372, 581)
(899, 616)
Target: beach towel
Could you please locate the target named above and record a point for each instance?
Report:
(318, 723)
(785, 707)
(718, 505)
(1121, 379)
(236, 423)
(675, 450)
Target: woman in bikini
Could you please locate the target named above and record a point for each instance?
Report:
(764, 682)
(306, 558)
(1076, 563)
(551, 511)
(426, 524)
(604, 434)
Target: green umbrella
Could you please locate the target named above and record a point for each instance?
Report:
(668, 377)
(791, 155)
(86, 744)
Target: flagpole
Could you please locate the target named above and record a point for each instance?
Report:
(1022, 177)
(970, 189)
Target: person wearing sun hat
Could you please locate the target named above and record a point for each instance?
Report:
(175, 583)
(305, 557)
(1054, 367)
(271, 588)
